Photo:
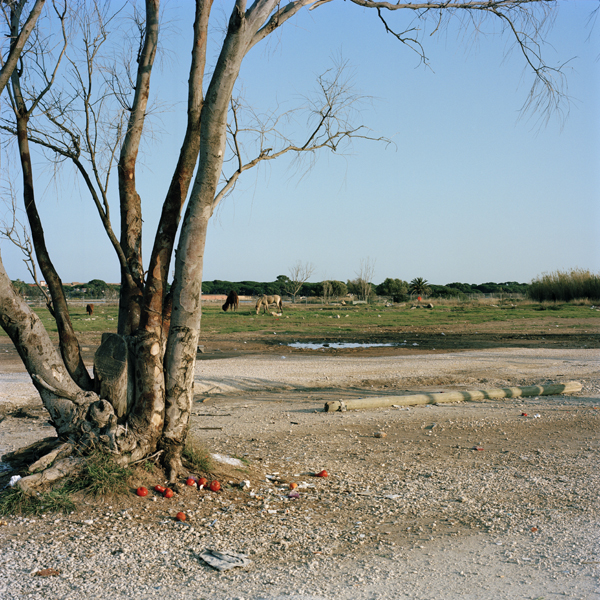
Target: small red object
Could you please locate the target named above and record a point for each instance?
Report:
(203, 481)
(180, 516)
(323, 473)
(534, 529)
(141, 491)
(168, 493)
(160, 489)
(477, 448)
(215, 486)
(190, 481)
(523, 414)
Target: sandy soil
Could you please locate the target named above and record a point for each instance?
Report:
(496, 499)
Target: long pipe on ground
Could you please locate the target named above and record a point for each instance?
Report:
(447, 397)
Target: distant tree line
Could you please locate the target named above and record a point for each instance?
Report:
(395, 289)
(94, 289)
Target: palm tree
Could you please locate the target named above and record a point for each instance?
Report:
(419, 286)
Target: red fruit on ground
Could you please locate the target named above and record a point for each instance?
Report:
(141, 491)
(180, 516)
(190, 481)
(203, 481)
(168, 493)
(215, 486)
(160, 489)
(323, 473)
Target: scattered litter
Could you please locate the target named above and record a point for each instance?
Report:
(304, 485)
(245, 484)
(392, 496)
(14, 480)
(537, 416)
(223, 561)
(478, 448)
(523, 414)
(228, 460)
(380, 434)
(294, 494)
(47, 573)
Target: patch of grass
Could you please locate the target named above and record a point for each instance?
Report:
(321, 321)
(197, 455)
(104, 319)
(148, 466)
(100, 475)
(14, 501)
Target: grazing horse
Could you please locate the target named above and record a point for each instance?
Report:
(264, 301)
(89, 309)
(232, 301)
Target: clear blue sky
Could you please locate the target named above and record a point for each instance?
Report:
(470, 191)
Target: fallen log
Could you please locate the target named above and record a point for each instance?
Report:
(449, 397)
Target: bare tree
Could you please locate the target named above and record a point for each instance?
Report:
(299, 274)
(142, 404)
(364, 278)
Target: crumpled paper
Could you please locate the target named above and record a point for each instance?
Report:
(223, 561)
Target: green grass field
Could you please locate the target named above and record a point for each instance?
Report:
(322, 320)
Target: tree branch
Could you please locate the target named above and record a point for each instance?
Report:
(18, 43)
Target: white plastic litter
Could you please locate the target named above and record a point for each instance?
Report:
(228, 460)
(14, 480)
(223, 561)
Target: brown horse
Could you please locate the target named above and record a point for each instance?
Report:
(89, 309)
(265, 301)
(232, 301)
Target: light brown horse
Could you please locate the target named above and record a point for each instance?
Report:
(265, 301)
(232, 301)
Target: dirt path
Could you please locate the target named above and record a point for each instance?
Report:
(418, 513)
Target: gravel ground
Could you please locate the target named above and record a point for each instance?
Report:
(471, 500)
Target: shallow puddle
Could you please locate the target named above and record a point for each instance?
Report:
(337, 345)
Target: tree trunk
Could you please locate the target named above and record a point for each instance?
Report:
(180, 358)
(154, 309)
(69, 345)
(132, 278)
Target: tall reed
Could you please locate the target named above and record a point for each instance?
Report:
(563, 286)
